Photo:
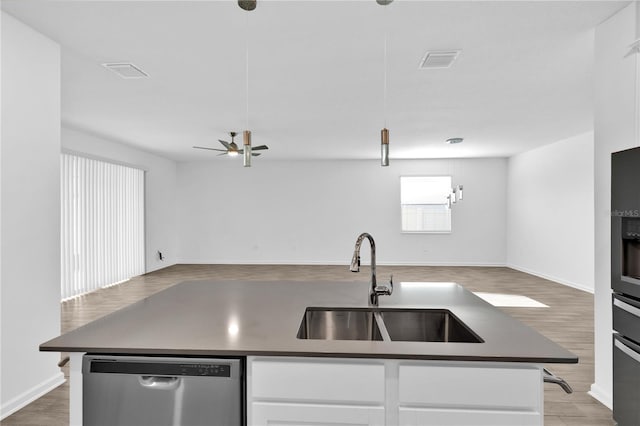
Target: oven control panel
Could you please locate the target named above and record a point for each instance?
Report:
(631, 228)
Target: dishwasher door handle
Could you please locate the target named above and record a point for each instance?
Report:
(159, 382)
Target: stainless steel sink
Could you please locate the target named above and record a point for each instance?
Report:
(339, 324)
(429, 325)
(403, 325)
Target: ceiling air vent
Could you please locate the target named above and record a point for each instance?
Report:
(439, 59)
(126, 70)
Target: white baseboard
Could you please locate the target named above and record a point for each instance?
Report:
(333, 263)
(30, 395)
(599, 394)
(552, 278)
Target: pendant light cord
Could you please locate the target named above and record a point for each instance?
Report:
(384, 89)
(247, 69)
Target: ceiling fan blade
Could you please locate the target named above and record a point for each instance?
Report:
(233, 146)
(259, 147)
(255, 154)
(224, 153)
(225, 144)
(210, 149)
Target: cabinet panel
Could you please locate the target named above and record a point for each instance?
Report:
(444, 417)
(283, 414)
(318, 380)
(471, 386)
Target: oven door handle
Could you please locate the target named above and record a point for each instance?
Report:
(626, 307)
(627, 350)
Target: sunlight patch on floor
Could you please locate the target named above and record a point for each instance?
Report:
(510, 300)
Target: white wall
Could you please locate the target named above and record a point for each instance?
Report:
(30, 213)
(309, 212)
(160, 190)
(615, 118)
(550, 212)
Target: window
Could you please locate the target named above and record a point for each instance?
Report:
(102, 224)
(424, 204)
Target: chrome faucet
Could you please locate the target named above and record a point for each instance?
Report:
(376, 290)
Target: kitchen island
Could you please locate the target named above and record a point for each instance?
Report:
(495, 381)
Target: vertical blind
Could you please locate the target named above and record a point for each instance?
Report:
(102, 230)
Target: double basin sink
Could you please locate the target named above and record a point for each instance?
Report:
(376, 324)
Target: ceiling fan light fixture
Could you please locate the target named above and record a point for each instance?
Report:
(246, 150)
(453, 141)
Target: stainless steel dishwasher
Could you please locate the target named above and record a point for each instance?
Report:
(161, 391)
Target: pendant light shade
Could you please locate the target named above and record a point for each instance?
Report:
(384, 147)
(246, 150)
(248, 5)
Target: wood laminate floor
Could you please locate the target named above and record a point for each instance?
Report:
(568, 321)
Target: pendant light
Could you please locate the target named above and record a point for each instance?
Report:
(246, 135)
(384, 133)
(246, 149)
(384, 147)
(247, 5)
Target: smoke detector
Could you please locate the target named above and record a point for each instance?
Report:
(126, 70)
(438, 59)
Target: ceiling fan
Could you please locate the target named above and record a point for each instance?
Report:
(231, 148)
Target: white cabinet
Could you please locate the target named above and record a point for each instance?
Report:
(459, 417)
(281, 414)
(329, 391)
(470, 394)
(313, 391)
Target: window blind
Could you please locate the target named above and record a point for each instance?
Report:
(423, 203)
(102, 229)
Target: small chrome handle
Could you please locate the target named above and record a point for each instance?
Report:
(159, 382)
(549, 377)
(63, 362)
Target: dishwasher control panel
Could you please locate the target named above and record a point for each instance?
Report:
(160, 369)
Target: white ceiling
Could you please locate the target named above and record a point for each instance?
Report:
(316, 71)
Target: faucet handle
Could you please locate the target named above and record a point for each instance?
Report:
(384, 290)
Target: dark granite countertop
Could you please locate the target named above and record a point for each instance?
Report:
(238, 318)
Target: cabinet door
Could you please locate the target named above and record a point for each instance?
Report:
(284, 414)
(473, 386)
(457, 417)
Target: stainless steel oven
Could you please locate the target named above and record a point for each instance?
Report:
(625, 282)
